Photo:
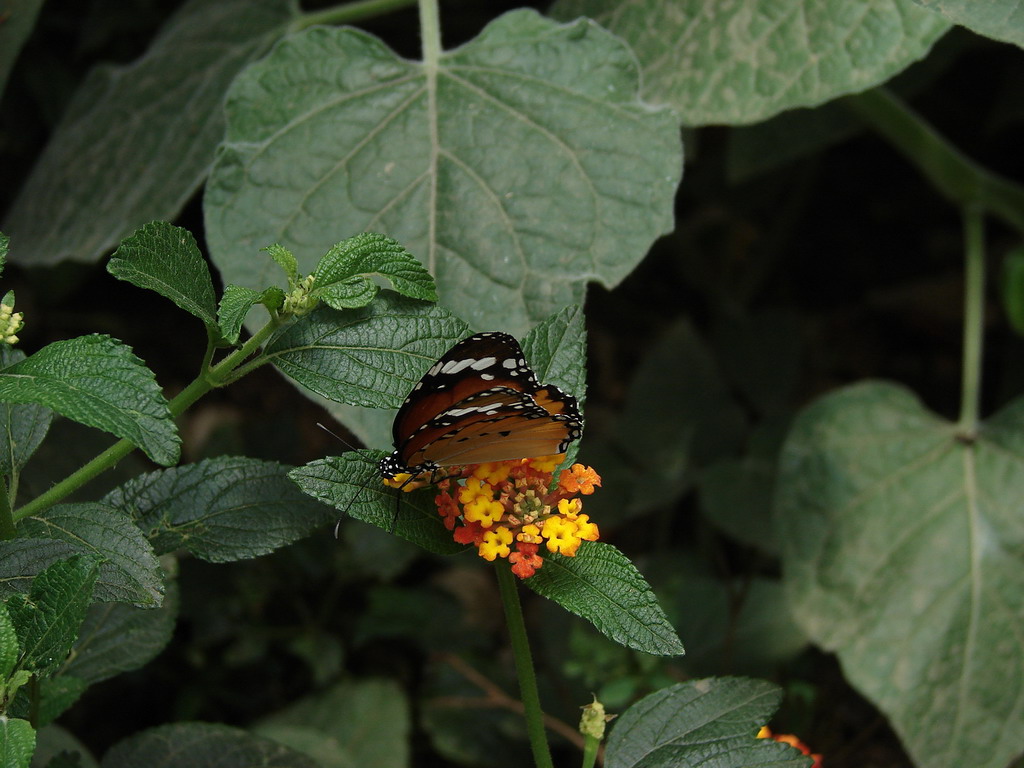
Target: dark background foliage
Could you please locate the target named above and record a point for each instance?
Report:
(833, 267)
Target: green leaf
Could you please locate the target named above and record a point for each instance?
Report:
(352, 485)
(236, 303)
(891, 523)
(18, 21)
(22, 427)
(745, 61)
(10, 648)
(710, 722)
(202, 745)
(5, 246)
(600, 585)
(166, 259)
(286, 260)
(17, 742)
(519, 167)
(221, 510)
(364, 723)
(116, 638)
(137, 141)
(130, 572)
(998, 19)
(99, 382)
(342, 278)
(47, 619)
(371, 356)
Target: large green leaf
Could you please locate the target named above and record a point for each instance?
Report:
(202, 745)
(602, 586)
(130, 571)
(518, 168)
(904, 554)
(99, 382)
(136, 141)
(223, 509)
(999, 19)
(745, 61)
(711, 722)
(363, 724)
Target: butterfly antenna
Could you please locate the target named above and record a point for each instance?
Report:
(336, 436)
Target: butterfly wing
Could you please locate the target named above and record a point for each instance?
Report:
(474, 365)
(481, 402)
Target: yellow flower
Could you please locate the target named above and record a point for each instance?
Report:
(587, 530)
(570, 507)
(495, 543)
(529, 534)
(561, 536)
(483, 510)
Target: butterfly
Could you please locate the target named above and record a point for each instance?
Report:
(480, 402)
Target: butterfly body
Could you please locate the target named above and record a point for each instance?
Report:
(480, 402)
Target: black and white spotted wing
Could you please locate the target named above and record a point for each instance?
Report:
(480, 402)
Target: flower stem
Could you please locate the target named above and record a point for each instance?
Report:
(591, 746)
(974, 298)
(508, 588)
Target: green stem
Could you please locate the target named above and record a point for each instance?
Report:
(508, 587)
(591, 746)
(348, 12)
(955, 175)
(207, 380)
(974, 300)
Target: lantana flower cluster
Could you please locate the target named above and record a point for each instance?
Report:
(506, 510)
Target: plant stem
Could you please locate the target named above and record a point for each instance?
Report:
(508, 588)
(956, 176)
(348, 12)
(974, 299)
(591, 746)
(203, 383)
